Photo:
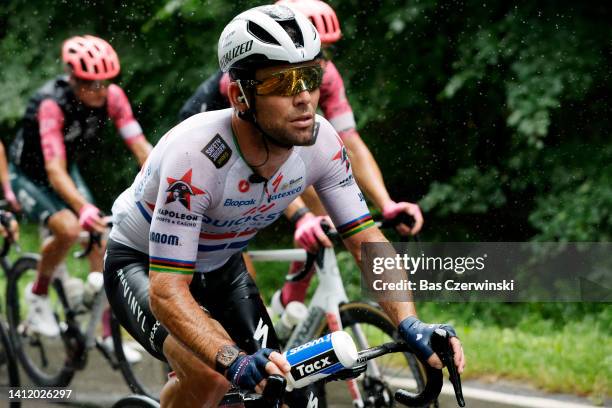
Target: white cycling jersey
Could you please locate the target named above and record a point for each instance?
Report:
(192, 205)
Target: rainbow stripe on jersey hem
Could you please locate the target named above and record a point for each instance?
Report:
(357, 225)
(171, 266)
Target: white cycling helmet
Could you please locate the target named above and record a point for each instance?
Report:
(265, 36)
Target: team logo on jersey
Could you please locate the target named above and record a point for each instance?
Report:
(230, 202)
(342, 155)
(217, 151)
(243, 186)
(181, 190)
(161, 238)
(349, 181)
(291, 182)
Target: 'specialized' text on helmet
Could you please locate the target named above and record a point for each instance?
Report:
(265, 36)
(90, 58)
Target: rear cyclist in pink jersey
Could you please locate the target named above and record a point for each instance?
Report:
(62, 128)
(306, 212)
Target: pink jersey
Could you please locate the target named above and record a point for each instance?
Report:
(333, 102)
(51, 122)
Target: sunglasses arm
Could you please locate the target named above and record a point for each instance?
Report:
(246, 100)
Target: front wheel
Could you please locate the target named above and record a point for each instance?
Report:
(369, 326)
(9, 372)
(146, 377)
(46, 360)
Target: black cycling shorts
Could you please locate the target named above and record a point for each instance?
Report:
(41, 201)
(228, 294)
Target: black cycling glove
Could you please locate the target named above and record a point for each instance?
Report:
(248, 370)
(418, 334)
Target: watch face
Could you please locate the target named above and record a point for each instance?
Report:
(227, 355)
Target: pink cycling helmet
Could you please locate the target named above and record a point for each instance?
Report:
(91, 58)
(322, 16)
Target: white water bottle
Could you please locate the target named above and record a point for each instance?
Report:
(294, 314)
(95, 283)
(320, 358)
(73, 289)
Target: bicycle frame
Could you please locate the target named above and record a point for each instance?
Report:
(75, 329)
(89, 335)
(324, 305)
(328, 295)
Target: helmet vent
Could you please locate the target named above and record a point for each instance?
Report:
(325, 24)
(83, 65)
(262, 35)
(293, 29)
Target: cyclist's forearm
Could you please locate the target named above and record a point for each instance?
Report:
(176, 309)
(366, 171)
(295, 206)
(397, 311)
(4, 175)
(141, 149)
(63, 184)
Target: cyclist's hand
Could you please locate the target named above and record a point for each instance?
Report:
(392, 209)
(9, 196)
(249, 371)
(309, 234)
(418, 334)
(278, 365)
(8, 219)
(90, 219)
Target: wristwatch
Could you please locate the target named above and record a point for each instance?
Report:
(225, 357)
(298, 214)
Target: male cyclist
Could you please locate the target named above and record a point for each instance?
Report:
(212, 94)
(62, 127)
(173, 271)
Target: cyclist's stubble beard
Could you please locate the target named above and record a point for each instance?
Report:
(281, 127)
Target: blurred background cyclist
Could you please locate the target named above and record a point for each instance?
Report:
(61, 128)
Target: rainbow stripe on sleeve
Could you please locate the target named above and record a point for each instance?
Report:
(357, 225)
(171, 265)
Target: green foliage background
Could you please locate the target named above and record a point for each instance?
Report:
(494, 116)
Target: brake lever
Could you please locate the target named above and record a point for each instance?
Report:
(441, 345)
(274, 390)
(401, 218)
(325, 227)
(310, 258)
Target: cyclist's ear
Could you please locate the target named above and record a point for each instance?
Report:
(237, 97)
